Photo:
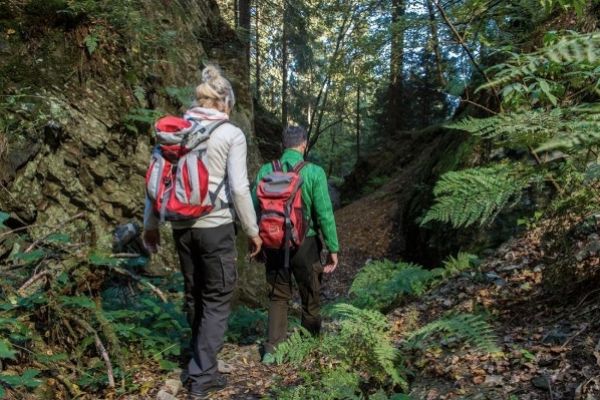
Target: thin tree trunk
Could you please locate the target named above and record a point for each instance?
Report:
(397, 42)
(396, 63)
(358, 123)
(327, 82)
(462, 43)
(331, 150)
(284, 67)
(257, 49)
(236, 14)
(436, 43)
(244, 26)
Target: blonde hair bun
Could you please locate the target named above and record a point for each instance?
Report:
(215, 91)
(211, 73)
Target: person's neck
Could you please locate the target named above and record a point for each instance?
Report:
(297, 149)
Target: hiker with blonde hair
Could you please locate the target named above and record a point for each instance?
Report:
(198, 181)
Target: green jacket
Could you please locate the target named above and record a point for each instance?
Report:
(315, 197)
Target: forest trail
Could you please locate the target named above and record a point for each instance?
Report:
(548, 350)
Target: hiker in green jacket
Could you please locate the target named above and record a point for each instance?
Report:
(305, 261)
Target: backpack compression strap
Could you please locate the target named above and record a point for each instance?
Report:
(277, 167)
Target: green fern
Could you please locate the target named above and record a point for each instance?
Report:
(381, 284)
(297, 348)
(471, 329)
(474, 196)
(578, 54)
(463, 261)
(360, 342)
(363, 342)
(564, 128)
(334, 384)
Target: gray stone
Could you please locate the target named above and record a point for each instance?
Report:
(173, 386)
(164, 395)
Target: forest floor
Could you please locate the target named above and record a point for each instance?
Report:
(549, 347)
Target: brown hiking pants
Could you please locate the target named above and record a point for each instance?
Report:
(306, 268)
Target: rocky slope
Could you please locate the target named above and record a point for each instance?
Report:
(76, 109)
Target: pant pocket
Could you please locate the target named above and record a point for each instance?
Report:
(229, 271)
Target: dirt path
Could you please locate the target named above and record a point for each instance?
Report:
(549, 350)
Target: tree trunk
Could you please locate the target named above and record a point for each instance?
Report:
(358, 123)
(331, 158)
(396, 63)
(435, 41)
(284, 67)
(236, 13)
(257, 50)
(244, 26)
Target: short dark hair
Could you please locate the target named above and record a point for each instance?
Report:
(293, 136)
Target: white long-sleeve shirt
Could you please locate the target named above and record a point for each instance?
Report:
(225, 159)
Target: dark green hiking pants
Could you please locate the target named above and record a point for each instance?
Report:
(306, 269)
(208, 263)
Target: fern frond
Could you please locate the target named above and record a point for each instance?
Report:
(579, 128)
(297, 348)
(572, 49)
(381, 284)
(371, 347)
(476, 195)
(469, 328)
(463, 261)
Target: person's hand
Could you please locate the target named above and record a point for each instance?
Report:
(255, 246)
(332, 263)
(151, 240)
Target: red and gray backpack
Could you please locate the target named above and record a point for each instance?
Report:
(282, 224)
(177, 178)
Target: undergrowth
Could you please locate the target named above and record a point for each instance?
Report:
(74, 321)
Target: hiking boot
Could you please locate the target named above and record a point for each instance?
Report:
(204, 391)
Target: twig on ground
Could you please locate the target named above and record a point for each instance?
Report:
(33, 280)
(579, 332)
(141, 280)
(125, 255)
(100, 347)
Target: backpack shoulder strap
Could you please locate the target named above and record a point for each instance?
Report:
(299, 166)
(277, 167)
(210, 128)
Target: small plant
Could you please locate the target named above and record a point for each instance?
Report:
(246, 325)
(359, 344)
(468, 328)
(475, 196)
(381, 284)
(462, 262)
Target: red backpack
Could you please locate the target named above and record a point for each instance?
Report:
(177, 178)
(281, 223)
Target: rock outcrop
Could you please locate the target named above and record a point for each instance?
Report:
(79, 89)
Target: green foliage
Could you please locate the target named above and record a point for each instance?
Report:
(540, 76)
(6, 350)
(140, 119)
(25, 381)
(468, 328)
(462, 262)
(360, 344)
(334, 384)
(577, 5)
(246, 325)
(3, 218)
(381, 284)
(91, 43)
(297, 348)
(474, 196)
